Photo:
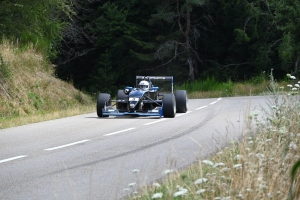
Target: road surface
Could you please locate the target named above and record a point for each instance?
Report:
(85, 157)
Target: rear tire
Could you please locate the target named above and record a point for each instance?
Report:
(169, 106)
(121, 96)
(181, 101)
(103, 99)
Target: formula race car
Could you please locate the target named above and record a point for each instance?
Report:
(144, 99)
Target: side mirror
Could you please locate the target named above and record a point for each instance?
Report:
(127, 90)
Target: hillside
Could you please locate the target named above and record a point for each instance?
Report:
(28, 87)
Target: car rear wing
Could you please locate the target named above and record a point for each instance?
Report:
(155, 78)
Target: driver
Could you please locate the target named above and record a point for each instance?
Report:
(144, 85)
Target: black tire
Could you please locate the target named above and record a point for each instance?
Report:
(103, 99)
(181, 101)
(121, 96)
(169, 106)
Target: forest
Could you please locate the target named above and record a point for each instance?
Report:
(101, 45)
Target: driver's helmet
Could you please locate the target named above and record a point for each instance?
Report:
(144, 85)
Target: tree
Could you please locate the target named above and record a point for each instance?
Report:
(183, 27)
(37, 21)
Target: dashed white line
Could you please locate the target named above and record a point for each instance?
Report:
(114, 133)
(13, 158)
(213, 102)
(66, 145)
(178, 115)
(201, 108)
(219, 99)
(156, 121)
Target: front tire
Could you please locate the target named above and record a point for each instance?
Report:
(103, 100)
(169, 106)
(181, 101)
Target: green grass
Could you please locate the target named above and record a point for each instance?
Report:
(211, 88)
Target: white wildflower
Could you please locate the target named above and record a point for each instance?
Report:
(181, 192)
(268, 140)
(260, 178)
(283, 130)
(292, 77)
(156, 184)
(250, 142)
(289, 85)
(157, 195)
(237, 166)
(255, 112)
(249, 190)
(270, 195)
(293, 146)
(226, 169)
(240, 195)
(297, 85)
(275, 107)
(238, 157)
(262, 186)
(201, 180)
(218, 164)
(135, 171)
(294, 89)
(260, 156)
(208, 162)
(219, 153)
(200, 191)
(131, 184)
(168, 171)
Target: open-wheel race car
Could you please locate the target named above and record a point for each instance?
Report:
(144, 99)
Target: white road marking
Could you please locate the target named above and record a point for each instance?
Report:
(213, 102)
(183, 114)
(114, 133)
(156, 121)
(66, 145)
(219, 99)
(13, 158)
(200, 107)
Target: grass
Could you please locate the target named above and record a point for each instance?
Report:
(29, 91)
(211, 88)
(259, 166)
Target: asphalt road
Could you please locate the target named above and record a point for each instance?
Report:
(85, 157)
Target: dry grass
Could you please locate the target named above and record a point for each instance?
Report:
(28, 89)
(257, 167)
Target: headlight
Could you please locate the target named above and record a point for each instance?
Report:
(134, 99)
